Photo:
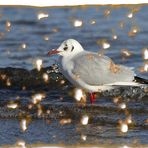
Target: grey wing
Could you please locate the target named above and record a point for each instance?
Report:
(98, 70)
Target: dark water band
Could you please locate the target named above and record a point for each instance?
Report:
(19, 78)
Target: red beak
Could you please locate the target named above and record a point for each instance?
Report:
(52, 52)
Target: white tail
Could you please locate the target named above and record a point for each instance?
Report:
(125, 84)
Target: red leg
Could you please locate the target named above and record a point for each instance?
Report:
(92, 97)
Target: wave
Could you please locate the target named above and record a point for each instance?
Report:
(24, 83)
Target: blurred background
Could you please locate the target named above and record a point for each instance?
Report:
(28, 33)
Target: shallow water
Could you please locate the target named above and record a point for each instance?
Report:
(104, 115)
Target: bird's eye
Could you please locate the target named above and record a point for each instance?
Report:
(65, 48)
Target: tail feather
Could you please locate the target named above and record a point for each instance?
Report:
(141, 80)
(124, 84)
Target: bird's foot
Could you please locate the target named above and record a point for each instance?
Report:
(92, 97)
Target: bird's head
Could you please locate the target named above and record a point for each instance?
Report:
(69, 47)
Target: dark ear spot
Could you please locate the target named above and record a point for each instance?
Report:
(72, 48)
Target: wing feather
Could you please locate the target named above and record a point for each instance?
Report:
(99, 70)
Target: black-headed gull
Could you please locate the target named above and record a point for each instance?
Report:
(89, 70)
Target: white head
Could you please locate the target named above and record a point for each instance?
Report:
(69, 47)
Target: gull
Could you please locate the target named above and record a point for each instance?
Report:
(91, 71)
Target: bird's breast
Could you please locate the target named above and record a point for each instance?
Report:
(65, 66)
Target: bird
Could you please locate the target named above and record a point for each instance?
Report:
(91, 71)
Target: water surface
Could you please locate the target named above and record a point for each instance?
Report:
(103, 126)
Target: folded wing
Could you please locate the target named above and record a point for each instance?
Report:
(99, 70)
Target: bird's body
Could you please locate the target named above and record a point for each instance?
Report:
(92, 72)
(89, 70)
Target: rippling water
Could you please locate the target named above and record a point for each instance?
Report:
(28, 38)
